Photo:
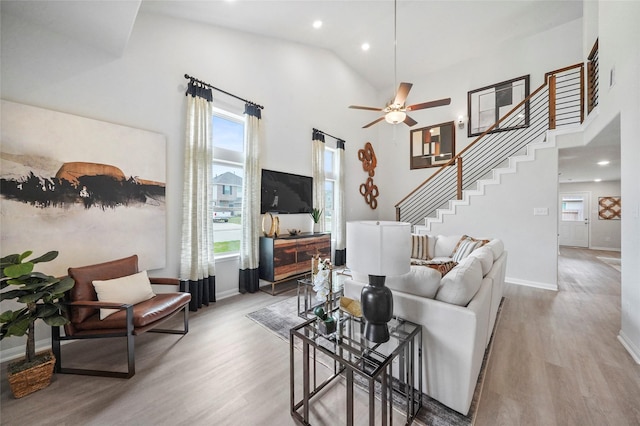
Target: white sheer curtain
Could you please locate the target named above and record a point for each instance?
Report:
(197, 267)
(317, 166)
(249, 280)
(339, 214)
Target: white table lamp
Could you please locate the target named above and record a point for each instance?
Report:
(380, 249)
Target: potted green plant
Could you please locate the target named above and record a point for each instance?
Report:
(40, 295)
(316, 215)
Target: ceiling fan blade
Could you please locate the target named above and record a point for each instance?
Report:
(373, 122)
(431, 104)
(410, 121)
(403, 92)
(365, 107)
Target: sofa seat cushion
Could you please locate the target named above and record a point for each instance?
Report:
(144, 313)
(460, 285)
(130, 289)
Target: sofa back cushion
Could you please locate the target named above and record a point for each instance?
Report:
(497, 247)
(485, 255)
(462, 283)
(420, 281)
(445, 244)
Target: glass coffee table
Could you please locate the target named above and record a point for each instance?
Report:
(381, 369)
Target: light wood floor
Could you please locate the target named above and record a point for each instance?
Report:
(556, 361)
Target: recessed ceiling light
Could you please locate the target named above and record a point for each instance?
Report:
(317, 24)
(603, 162)
(597, 180)
(365, 46)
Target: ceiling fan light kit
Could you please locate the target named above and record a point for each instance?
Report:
(395, 117)
(396, 111)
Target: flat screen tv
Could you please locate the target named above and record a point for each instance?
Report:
(285, 193)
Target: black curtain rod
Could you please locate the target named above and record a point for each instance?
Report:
(220, 90)
(327, 134)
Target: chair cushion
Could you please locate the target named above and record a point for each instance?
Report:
(83, 276)
(131, 289)
(144, 313)
(462, 283)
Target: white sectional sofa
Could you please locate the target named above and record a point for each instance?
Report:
(457, 312)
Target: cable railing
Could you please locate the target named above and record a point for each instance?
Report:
(593, 72)
(557, 102)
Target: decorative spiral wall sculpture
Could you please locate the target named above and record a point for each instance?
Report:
(368, 158)
(369, 162)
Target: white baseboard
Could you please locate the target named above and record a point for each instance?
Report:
(225, 294)
(605, 248)
(633, 350)
(16, 352)
(544, 286)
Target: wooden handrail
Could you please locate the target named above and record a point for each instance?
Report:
(458, 157)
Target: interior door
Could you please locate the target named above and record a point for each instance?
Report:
(574, 219)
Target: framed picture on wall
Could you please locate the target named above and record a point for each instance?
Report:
(486, 105)
(432, 146)
(609, 208)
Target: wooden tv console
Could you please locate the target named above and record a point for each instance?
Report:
(286, 257)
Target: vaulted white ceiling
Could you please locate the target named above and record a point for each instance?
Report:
(431, 35)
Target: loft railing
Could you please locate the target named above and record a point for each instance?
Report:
(557, 102)
(593, 72)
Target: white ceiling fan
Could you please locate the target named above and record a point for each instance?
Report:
(396, 110)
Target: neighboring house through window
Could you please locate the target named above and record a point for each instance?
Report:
(329, 186)
(228, 153)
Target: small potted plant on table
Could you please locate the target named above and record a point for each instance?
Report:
(40, 295)
(316, 215)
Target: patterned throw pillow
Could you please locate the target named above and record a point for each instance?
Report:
(441, 266)
(465, 246)
(419, 247)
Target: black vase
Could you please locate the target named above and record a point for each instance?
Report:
(377, 309)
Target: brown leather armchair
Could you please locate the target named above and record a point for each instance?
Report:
(130, 320)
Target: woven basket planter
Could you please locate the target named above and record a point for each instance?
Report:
(32, 379)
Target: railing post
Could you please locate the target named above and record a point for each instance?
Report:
(459, 190)
(552, 102)
(397, 213)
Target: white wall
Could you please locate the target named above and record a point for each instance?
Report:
(301, 88)
(536, 55)
(506, 212)
(619, 33)
(603, 234)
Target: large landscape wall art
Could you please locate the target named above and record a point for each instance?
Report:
(94, 191)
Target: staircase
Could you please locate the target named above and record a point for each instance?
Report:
(556, 103)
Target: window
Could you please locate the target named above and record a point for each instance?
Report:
(329, 186)
(228, 153)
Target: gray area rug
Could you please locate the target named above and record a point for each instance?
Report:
(281, 316)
